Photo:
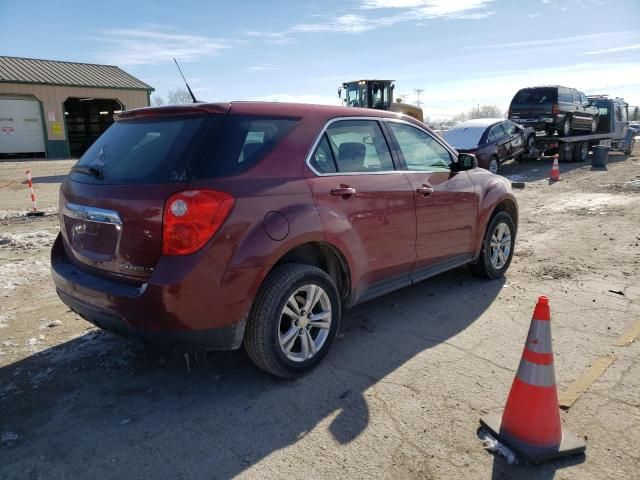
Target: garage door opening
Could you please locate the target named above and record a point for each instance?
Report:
(86, 119)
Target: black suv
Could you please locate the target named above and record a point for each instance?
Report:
(552, 108)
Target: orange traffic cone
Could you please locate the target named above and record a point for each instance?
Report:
(530, 424)
(555, 169)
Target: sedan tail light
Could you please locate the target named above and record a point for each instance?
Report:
(555, 109)
(191, 218)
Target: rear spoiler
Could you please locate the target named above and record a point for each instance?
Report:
(174, 110)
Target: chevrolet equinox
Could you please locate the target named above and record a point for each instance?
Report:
(212, 226)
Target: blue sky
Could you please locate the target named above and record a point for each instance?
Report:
(460, 52)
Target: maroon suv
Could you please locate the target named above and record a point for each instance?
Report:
(207, 226)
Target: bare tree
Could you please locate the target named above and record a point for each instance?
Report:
(157, 101)
(485, 111)
(179, 95)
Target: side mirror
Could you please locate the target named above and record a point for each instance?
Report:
(466, 161)
(339, 93)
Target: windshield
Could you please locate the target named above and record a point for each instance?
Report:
(464, 138)
(356, 95)
(140, 152)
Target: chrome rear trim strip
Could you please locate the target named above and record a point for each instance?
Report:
(91, 214)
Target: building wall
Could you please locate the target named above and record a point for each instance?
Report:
(52, 98)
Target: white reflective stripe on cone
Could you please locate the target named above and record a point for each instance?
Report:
(536, 375)
(539, 338)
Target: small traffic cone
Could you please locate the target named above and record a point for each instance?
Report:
(530, 424)
(34, 212)
(555, 170)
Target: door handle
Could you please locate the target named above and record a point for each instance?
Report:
(343, 191)
(424, 190)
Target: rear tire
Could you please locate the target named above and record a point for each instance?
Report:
(565, 128)
(594, 125)
(494, 259)
(274, 338)
(580, 152)
(494, 165)
(531, 140)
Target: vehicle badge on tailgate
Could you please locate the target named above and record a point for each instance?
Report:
(127, 267)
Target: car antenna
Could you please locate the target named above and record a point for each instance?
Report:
(185, 82)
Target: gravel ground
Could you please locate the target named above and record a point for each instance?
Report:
(398, 397)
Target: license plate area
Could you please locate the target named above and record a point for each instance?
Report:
(93, 233)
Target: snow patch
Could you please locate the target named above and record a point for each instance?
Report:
(5, 318)
(595, 201)
(23, 241)
(17, 274)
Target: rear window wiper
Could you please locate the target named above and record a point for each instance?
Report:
(93, 171)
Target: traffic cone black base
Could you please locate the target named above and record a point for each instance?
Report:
(35, 214)
(571, 444)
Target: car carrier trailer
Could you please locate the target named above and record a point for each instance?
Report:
(574, 148)
(613, 131)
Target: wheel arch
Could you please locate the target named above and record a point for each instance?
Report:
(325, 256)
(506, 204)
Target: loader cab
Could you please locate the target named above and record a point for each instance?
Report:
(376, 94)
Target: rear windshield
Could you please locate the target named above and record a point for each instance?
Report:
(241, 142)
(535, 96)
(142, 151)
(463, 137)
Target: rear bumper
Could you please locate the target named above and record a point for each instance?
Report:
(188, 303)
(540, 123)
(223, 338)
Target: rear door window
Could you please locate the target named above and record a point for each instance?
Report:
(497, 133)
(420, 150)
(241, 142)
(145, 151)
(322, 160)
(565, 96)
(359, 146)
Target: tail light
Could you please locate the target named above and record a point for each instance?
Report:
(191, 218)
(555, 109)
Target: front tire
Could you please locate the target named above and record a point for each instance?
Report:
(497, 247)
(594, 125)
(293, 321)
(629, 148)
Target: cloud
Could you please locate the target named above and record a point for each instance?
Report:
(534, 15)
(260, 67)
(432, 8)
(608, 36)
(365, 17)
(271, 37)
(611, 50)
(154, 45)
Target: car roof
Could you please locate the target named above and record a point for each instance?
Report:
(479, 122)
(268, 108)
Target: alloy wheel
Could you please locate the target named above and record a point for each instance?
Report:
(500, 245)
(304, 323)
(493, 165)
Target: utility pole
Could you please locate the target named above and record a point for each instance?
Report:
(418, 91)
